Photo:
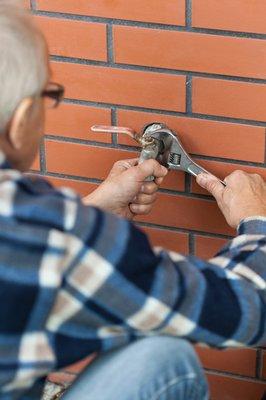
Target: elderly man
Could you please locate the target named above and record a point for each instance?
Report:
(76, 280)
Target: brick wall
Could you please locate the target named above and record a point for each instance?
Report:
(199, 66)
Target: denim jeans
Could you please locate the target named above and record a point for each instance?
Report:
(154, 368)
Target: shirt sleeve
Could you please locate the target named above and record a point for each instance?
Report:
(75, 280)
(118, 289)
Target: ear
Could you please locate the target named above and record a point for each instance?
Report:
(19, 122)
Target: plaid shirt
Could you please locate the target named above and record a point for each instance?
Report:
(75, 280)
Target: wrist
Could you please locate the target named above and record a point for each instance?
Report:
(94, 199)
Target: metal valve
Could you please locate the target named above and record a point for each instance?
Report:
(160, 143)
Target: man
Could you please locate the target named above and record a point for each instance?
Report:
(75, 280)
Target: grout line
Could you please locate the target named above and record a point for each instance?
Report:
(33, 5)
(189, 13)
(232, 375)
(42, 156)
(229, 119)
(114, 122)
(187, 183)
(229, 161)
(159, 70)
(187, 195)
(189, 95)
(124, 147)
(265, 149)
(183, 230)
(259, 364)
(110, 47)
(72, 177)
(152, 25)
(86, 142)
(214, 118)
(191, 244)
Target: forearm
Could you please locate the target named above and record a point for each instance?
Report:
(232, 289)
(137, 292)
(92, 199)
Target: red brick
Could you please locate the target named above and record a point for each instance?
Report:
(75, 121)
(175, 241)
(61, 378)
(81, 160)
(233, 388)
(116, 86)
(222, 170)
(190, 51)
(36, 164)
(206, 247)
(79, 366)
(74, 38)
(189, 213)
(160, 11)
(82, 188)
(234, 15)
(204, 137)
(264, 366)
(242, 362)
(174, 181)
(93, 162)
(229, 98)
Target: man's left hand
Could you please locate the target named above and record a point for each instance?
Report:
(125, 191)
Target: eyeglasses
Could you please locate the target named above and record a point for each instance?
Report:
(53, 94)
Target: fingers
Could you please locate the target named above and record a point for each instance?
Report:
(131, 162)
(149, 188)
(140, 209)
(145, 198)
(151, 168)
(122, 165)
(235, 177)
(212, 184)
(159, 181)
(143, 202)
(141, 171)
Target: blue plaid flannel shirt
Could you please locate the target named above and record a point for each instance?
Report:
(75, 280)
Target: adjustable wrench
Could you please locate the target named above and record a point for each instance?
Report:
(161, 143)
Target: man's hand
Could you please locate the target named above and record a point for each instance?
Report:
(244, 195)
(125, 191)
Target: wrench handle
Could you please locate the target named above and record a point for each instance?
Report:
(195, 169)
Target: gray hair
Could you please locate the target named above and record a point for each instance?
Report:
(23, 60)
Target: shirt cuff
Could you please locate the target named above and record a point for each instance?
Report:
(252, 226)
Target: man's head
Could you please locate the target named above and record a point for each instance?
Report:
(24, 74)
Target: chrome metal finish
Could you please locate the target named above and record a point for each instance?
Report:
(160, 143)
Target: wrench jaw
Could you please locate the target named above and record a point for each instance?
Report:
(180, 160)
(163, 137)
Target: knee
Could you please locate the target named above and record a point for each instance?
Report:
(165, 351)
(173, 360)
(171, 352)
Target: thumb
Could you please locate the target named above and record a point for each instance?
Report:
(151, 168)
(212, 184)
(122, 165)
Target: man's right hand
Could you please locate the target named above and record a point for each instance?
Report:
(244, 195)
